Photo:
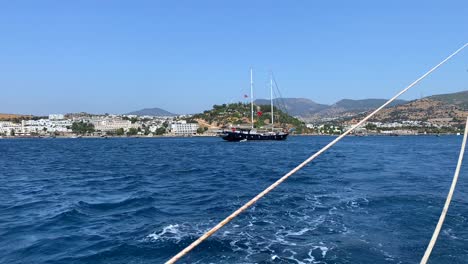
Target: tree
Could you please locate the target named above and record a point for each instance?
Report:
(132, 131)
(120, 132)
(16, 120)
(133, 120)
(200, 130)
(161, 131)
(82, 127)
(371, 126)
(12, 132)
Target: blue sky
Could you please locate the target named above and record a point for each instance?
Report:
(185, 56)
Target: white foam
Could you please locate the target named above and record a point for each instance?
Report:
(311, 259)
(449, 232)
(282, 241)
(298, 233)
(323, 249)
(168, 232)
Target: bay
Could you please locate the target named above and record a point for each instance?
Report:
(141, 200)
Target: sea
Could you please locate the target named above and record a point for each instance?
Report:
(373, 199)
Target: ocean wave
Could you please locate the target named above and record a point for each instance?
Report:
(243, 244)
(68, 216)
(126, 203)
(144, 208)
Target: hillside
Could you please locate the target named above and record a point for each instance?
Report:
(349, 107)
(443, 110)
(459, 99)
(295, 106)
(364, 104)
(309, 110)
(14, 117)
(239, 114)
(426, 109)
(151, 112)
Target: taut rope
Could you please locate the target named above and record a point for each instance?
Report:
(447, 202)
(300, 166)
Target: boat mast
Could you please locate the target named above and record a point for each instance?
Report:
(271, 99)
(251, 97)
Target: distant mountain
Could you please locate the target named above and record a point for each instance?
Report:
(444, 109)
(459, 99)
(364, 104)
(295, 106)
(349, 107)
(151, 112)
(310, 110)
(425, 109)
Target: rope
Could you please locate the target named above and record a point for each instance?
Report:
(447, 202)
(300, 166)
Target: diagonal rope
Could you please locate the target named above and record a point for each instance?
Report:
(300, 166)
(447, 202)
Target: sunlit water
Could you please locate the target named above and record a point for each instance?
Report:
(367, 200)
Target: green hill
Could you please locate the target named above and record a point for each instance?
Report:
(239, 114)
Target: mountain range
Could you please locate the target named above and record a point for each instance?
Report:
(300, 107)
(459, 99)
(310, 110)
(444, 109)
(451, 107)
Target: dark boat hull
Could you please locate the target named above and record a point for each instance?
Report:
(240, 136)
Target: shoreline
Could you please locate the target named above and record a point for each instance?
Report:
(200, 136)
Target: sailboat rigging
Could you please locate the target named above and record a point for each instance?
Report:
(243, 134)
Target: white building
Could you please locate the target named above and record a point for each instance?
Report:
(184, 128)
(45, 126)
(56, 117)
(7, 127)
(111, 125)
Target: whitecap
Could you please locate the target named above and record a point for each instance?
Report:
(168, 232)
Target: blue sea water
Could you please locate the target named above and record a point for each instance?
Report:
(366, 200)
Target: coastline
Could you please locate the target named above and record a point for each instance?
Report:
(191, 136)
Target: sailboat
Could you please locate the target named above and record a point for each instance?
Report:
(249, 133)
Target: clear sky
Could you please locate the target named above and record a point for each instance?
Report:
(184, 56)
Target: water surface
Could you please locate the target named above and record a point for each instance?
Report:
(366, 200)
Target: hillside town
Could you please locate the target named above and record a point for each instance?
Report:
(77, 125)
(109, 125)
(394, 128)
(437, 114)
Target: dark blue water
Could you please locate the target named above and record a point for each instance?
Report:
(367, 200)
